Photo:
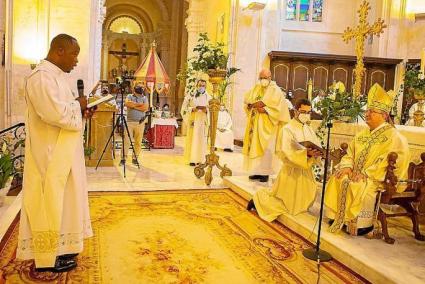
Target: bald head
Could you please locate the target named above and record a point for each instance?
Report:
(63, 52)
(265, 74)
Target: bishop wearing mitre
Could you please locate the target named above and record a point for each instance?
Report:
(267, 111)
(351, 192)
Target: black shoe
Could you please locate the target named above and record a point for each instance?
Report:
(251, 205)
(228, 150)
(364, 231)
(69, 256)
(135, 162)
(61, 265)
(254, 177)
(264, 178)
(192, 164)
(330, 222)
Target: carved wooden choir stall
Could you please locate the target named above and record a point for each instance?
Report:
(293, 70)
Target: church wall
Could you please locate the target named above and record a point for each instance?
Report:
(218, 14)
(416, 38)
(2, 72)
(34, 25)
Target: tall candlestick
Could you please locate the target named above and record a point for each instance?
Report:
(310, 90)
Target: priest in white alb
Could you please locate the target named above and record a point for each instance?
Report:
(224, 138)
(351, 192)
(267, 111)
(195, 114)
(295, 187)
(55, 211)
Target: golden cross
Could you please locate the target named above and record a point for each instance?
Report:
(360, 33)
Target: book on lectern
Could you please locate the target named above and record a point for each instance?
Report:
(100, 101)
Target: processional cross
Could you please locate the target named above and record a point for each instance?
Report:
(360, 33)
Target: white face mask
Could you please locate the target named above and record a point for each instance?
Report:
(304, 118)
(264, 82)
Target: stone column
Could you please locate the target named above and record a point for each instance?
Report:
(105, 48)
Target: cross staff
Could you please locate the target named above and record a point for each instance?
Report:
(360, 33)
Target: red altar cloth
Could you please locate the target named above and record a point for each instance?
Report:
(161, 136)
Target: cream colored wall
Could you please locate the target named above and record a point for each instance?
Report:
(2, 87)
(215, 10)
(34, 25)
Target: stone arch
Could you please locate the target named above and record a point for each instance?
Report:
(126, 16)
(137, 13)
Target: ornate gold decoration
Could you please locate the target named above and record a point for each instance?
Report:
(418, 118)
(212, 159)
(360, 33)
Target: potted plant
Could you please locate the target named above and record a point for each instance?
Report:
(6, 172)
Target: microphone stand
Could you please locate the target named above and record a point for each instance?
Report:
(316, 253)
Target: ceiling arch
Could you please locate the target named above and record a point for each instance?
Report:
(128, 10)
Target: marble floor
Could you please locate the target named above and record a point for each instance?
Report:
(164, 169)
(377, 261)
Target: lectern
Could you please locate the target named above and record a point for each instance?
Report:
(99, 130)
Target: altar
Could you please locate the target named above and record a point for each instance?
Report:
(162, 132)
(344, 132)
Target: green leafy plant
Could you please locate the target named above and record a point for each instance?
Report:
(88, 151)
(6, 166)
(226, 83)
(208, 55)
(340, 106)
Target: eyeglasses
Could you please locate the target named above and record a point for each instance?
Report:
(303, 111)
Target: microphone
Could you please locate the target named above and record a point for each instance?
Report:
(80, 88)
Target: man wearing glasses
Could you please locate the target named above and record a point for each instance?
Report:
(351, 192)
(295, 188)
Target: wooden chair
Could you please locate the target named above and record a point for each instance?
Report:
(408, 200)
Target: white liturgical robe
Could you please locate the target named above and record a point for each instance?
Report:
(225, 137)
(197, 127)
(295, 188)
(55, 211)
(415, 107)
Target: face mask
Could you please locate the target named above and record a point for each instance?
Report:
(222, 108)
(201, 90)
(264, 82)
(138, 90)
(105, 92)
(304, 117)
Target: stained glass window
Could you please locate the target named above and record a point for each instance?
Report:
(291, 10)
(304, 10)
(317, 10)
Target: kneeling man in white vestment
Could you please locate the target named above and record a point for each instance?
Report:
(267, 111)
(55, 211)
(295, 188)
(350, 196)
(195, 114)
(224, 138)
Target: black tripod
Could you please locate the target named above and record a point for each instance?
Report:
(120, 118)
(316, 253)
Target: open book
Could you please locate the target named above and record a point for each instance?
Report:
(100, 101)
(311, 145)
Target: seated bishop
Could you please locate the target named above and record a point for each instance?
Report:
(295, 187)
(224, 138)
(351, 192)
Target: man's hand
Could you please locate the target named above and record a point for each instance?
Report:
(313, 153)
(88, 112)
(344, 171)
(358, 177)
(261, 110)
(202, 108)
(83, 103)
(258, 105)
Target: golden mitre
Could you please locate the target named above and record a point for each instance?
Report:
(379, 99)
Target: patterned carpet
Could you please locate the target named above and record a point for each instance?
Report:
(203, 236)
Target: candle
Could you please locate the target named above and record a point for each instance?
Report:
(310, 90)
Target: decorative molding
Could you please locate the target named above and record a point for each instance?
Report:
(287, 73)
(295, 56)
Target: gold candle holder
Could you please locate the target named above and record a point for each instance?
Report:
(212, 159)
